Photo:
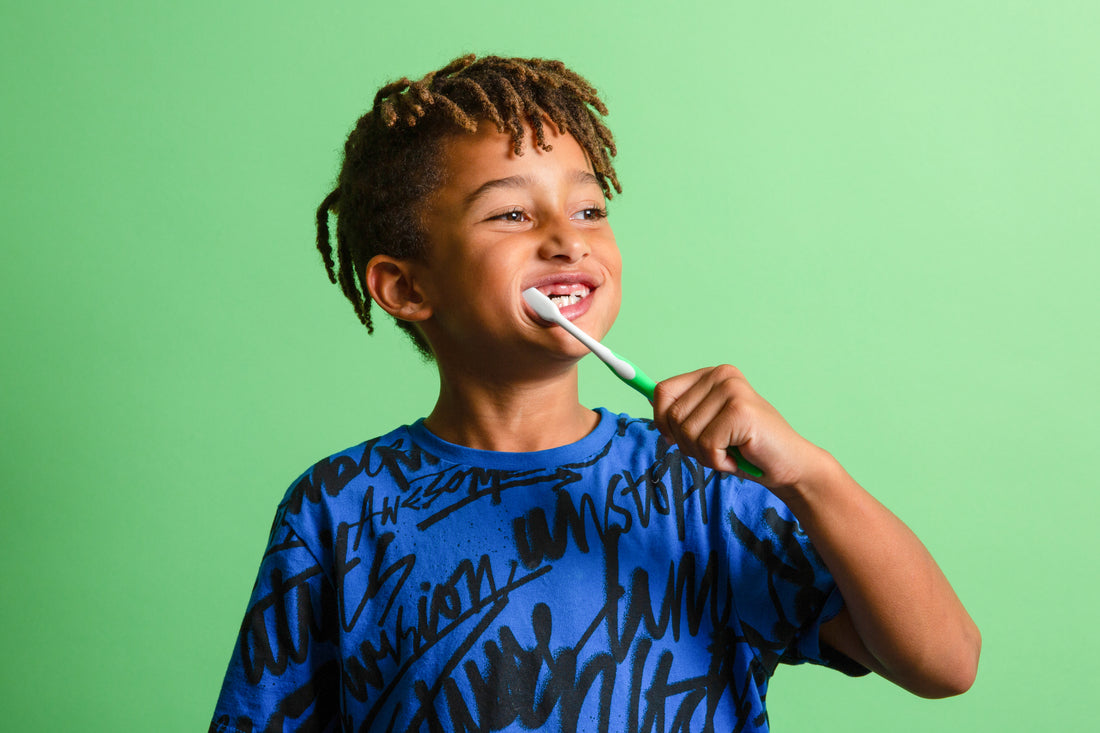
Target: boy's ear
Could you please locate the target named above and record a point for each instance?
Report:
(393, 286)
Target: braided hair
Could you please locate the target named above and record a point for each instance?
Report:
(392, 157)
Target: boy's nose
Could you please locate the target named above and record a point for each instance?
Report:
(563, 241)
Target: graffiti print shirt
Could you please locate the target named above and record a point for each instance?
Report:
(410, 584)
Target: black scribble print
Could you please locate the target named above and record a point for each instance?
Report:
(404, 592)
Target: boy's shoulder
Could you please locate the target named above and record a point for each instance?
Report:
(330, 476)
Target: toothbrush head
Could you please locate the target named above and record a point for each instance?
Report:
(544, 307)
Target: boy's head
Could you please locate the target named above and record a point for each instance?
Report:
(392, 159)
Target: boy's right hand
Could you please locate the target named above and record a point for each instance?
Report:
(706, 411)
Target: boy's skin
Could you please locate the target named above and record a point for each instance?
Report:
(499, 223)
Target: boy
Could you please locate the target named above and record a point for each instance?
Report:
(515, 560)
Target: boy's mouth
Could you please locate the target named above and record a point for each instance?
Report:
(565, 294)
(571, 292)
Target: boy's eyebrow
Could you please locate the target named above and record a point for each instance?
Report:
(579, 177)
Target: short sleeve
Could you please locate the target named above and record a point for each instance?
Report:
(782, 590)
(284, 671)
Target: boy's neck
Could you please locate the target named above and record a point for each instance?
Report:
(513, 416)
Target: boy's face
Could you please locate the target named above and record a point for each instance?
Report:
(501, 223)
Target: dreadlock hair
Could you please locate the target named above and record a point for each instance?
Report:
(392, 157)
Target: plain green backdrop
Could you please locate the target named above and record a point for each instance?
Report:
(884, 212)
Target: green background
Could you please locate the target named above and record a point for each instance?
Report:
(885, 213)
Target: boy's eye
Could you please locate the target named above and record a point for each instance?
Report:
(515, 215)
(591, 214)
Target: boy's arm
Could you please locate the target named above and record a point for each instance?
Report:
(285, 667)
(901, 619)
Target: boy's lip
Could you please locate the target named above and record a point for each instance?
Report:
(558, 283)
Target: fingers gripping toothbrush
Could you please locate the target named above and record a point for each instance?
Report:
(622, 368)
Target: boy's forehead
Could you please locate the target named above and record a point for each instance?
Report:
(483, 154)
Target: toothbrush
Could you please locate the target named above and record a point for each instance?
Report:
(623, 369)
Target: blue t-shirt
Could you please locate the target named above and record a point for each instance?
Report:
(410, 584)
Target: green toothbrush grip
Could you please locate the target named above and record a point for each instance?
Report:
(743, 463)
(643, 384)
(647, 387)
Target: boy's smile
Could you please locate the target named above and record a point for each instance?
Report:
(498, 224)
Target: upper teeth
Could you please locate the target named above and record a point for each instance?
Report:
(565, 299)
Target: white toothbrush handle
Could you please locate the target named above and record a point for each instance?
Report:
(620, 367)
